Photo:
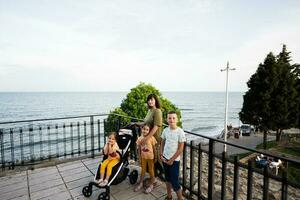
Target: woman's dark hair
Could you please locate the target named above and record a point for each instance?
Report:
(157, 103)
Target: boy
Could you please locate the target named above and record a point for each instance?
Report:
(172, 144)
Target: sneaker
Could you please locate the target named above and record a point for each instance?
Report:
(138, 187)
(149, 189)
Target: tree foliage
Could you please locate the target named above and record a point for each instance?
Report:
(272, 101)
(135, 105)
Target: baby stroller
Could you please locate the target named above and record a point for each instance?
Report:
(126, 138)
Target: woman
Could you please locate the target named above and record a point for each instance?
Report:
(155, 119)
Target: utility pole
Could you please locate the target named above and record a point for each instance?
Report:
(226, 104)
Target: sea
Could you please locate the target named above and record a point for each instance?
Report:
(202, 112)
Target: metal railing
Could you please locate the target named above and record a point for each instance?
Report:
(197, 157)
(33, 141)
(203, 169)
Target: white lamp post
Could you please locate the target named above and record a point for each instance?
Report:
(226, 103)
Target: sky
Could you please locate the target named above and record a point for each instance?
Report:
(175, 45)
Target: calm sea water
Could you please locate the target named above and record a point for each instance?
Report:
(202, 112)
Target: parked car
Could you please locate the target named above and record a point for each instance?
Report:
(247, 129)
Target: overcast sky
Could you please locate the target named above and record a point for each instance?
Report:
(176, 45)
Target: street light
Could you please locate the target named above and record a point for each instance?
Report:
(226, 103)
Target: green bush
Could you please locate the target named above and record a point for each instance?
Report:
(135, 106)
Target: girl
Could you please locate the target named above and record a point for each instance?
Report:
(147, 154)
(110, 149)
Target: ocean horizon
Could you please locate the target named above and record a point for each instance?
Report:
(202, 112)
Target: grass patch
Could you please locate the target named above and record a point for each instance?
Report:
(270, 144)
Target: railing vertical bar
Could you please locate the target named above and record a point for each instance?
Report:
(57, 147)
(12, 148)
(104, 128)
(200, 166)
(49, 141)
(85, 142)
(99, 137)
(250, 180)
(31, 145)
(78, 136)
(284, 185)
(2, 149)
(92, 136)
(266, 183)
(21, 146)
(41, 143)
(65, 139)
(236, 178)
(72, 142)
(192, 161)
(224, 175)
(184, 168)
(211, 169)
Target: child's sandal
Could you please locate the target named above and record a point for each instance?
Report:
(168, 198)
(149, 189)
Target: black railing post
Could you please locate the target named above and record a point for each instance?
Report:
(12, 148)
(57, 147)
(200, 166)
(21, 146)
(41, 143)
(236, 178)
(192, 161)
(224, 175)
(72, 142)
(31, 142)
(78, 136)
(266, 183)
(2, 149)
(92, 136)
(250, 180)
(85, 142)
(211, 169)
(64, 140)
(184, 168)
(49, 142)
(284, 185)
(99, 137)
(104, 127)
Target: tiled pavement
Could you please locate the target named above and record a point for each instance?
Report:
(65, 181)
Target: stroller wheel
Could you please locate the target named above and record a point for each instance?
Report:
(87, 191)
(103, 196)
(133, 176)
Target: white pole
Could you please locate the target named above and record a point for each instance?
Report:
(226, 104)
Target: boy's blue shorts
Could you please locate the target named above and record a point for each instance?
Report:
(172, 174)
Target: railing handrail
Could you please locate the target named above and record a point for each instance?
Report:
(67, 117)
(243, 147)
(189, 132)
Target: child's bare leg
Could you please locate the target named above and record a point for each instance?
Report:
(179, 194)
(169, 189)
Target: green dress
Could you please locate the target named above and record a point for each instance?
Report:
(154, 117)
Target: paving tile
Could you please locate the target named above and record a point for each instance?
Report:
(43, 179)
(45, 185)
(92, 161)
(160, 191)
(25, 197)
(70, 167)
(48, 192)
(77, 176)
(13, 187)
(13, 180)
(59, 196)
(41, 170)
(41, 173)
(71, 172)
(18, 174)
(79, 182)
(14, 194)
(68, 163)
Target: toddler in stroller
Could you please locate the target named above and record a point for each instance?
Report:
(116, 164)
